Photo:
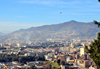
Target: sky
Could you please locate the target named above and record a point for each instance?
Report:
(23, 14)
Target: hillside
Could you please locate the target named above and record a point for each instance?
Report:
(66, 30)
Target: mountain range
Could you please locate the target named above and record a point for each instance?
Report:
(62, 31)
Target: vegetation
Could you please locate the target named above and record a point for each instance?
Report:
(94, 49)
(97, 23)
(70, 68)
(53, 64)
(62, 62)
(49, 66)
(32, 66)
(58, 61)
(2, 48)
(20, 59)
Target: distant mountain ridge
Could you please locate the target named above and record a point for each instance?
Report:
(66, 30)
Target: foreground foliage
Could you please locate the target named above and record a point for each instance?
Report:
(94, 49)
(20, 59)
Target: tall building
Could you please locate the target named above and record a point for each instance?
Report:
(82, 51)
(1, 45)
(9, 44)
(18, 44)
(72, 45)
(84, 44)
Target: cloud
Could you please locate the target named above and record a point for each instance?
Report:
(35, 2)
(55, 1)
(18, 24)
(48, 2)
(97, 5)
(78, 4)
(89, 10)
(7, 22)
(21, 16)
(7, 27)
(28, 2)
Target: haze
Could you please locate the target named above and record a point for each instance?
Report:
(23, 14)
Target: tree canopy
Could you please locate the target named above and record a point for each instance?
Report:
(20, 59)
(94, 49)
(98, 23)
(62, 62)
(32, 67)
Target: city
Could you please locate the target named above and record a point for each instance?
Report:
(58, 54)
(49, 34)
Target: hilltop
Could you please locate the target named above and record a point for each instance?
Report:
(66, 30)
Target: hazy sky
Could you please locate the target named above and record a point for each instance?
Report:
(23, 14)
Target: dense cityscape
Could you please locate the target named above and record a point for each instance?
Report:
(44, 55)
(49, 34)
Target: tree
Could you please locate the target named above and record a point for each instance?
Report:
(43, 58)
(98, 23)
(62, 62)
(94, 50)
(49, 66)
(70, 68)
(58, 61)
(99, 0)
(32, 67)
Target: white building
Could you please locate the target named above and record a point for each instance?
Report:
(82, 51)
(30, 54)
(47, 57)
